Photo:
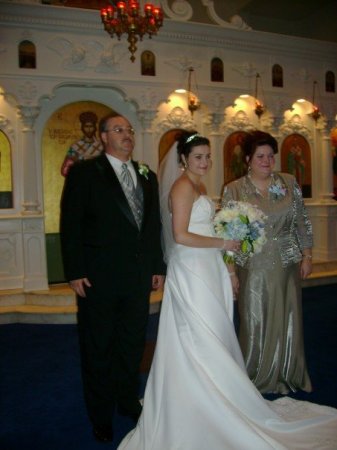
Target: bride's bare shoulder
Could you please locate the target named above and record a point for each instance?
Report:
(182, 187)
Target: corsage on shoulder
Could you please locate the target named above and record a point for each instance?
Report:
(277, 189)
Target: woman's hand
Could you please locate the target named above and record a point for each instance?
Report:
(306, 267)
(232, 246)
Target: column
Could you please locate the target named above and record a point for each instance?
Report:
(323, 210)
(30, 203)
(326, 178)
(215, 179)
(150, 153)
(33, 237)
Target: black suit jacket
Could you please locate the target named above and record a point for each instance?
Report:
(100, 238)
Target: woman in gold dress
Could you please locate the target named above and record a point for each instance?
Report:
(269, 283)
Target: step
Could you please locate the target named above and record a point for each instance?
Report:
(55, 305)
(58, 303)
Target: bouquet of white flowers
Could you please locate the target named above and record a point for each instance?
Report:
(244, 222)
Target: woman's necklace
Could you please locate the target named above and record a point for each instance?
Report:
(261, 187)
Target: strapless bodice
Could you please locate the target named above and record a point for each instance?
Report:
(201, 216)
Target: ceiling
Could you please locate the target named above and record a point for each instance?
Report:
(314, 19)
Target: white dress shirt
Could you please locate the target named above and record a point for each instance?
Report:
(117, 166)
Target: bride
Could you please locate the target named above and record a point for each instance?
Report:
(198, 395)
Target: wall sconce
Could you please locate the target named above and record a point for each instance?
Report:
(315, 114)
(259, 107)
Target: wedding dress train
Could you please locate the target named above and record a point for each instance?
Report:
(198, 395)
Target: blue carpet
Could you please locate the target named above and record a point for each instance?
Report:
(41, 404)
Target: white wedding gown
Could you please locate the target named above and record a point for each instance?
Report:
(198, 396)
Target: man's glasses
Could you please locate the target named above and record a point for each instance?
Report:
(120, 130)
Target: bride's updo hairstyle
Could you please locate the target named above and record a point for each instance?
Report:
(186, 141)
(255, 139)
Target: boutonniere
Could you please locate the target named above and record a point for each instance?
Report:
(277, 189)
(143, 169)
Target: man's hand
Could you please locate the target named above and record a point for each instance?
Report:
(78, 286)
(158, 282)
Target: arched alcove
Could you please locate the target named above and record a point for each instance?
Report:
(234, 162)
(277, 75)
(148, 63)
(296, 159)
(217, 70)
(62, 129)
(330, 81)
(27, 55)
(6, 183)
(166, 142)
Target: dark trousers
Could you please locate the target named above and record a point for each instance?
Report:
(112, 331)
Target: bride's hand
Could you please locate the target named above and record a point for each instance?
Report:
(232, 246)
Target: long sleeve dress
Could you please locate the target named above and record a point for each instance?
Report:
(270, 299)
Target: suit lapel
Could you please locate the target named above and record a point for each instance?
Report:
(106, 170)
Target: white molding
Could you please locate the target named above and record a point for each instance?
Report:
(58, 19)
(181, 10)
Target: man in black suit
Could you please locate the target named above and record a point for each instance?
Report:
(110, 234)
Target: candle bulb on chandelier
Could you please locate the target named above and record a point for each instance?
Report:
(104, 14)
(134, 8)
(121, 8)
(148, 9)
(110, 12)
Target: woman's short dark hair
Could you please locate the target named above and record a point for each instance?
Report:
(255, 139)
(187, 140)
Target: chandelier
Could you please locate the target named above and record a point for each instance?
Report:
(125, 18)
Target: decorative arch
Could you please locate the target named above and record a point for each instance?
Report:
(27, 55)
(296, 159)
(176, 118)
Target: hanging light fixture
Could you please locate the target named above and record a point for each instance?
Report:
(315, 114)
(192, 100)
(259, 107)
(124, 18)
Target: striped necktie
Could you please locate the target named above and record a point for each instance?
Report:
(131, 195)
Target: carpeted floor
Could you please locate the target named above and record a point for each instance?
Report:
(41, 405)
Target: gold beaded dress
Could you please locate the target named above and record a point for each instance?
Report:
(270, 298)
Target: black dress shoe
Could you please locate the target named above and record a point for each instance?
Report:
(102, 433)
(134, 415)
